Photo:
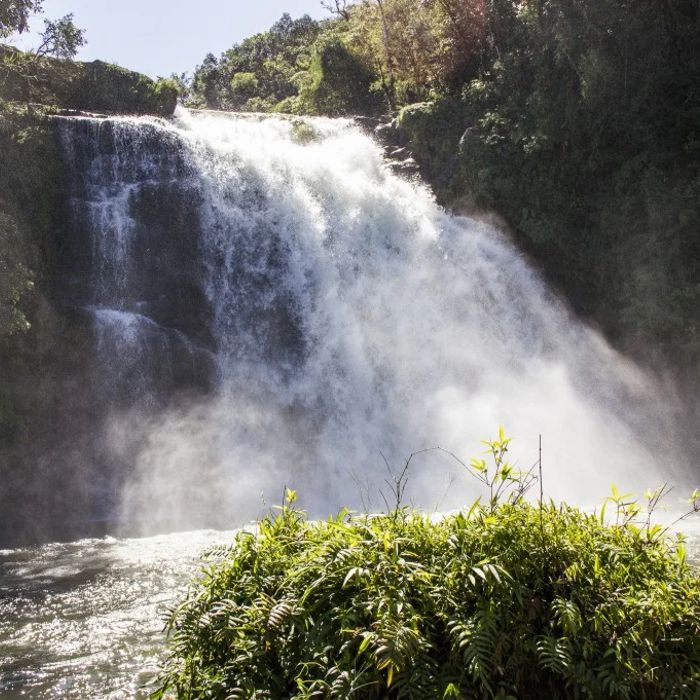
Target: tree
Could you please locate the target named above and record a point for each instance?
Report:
(259, 73)
(183, 81)
(337, 7)
(205, 83)
(463, 29)
(14, 15)
(61, 38)
(338, 83)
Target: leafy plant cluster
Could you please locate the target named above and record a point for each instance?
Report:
(30, 187)
(509, 599)
(261, 72)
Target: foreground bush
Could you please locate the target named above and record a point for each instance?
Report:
(505, 601)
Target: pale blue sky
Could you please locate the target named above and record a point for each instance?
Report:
(159, 37)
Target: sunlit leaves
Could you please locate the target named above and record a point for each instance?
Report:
(477, 605)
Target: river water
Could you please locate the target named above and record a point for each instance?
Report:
(85, 619)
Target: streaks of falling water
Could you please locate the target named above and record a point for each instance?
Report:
(348, 314)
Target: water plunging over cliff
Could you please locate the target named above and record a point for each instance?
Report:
(268, 304)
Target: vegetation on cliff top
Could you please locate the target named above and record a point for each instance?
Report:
(48, 76)
(506, 600)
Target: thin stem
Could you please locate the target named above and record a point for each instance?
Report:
(539, 469)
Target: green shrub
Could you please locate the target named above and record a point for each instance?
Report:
(303, 132)
(244, 83)
(507, 600)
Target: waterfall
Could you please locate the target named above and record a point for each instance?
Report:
(271, 305)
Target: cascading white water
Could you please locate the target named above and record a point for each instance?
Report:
(351, 318)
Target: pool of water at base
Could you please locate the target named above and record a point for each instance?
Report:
(86, 619)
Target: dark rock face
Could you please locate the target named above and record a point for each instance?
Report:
(109, 88)
(120, 324)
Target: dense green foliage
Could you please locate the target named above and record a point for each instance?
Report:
(503, 602)
(374, 56)
(575, 121)
(30, 191)
(259, 73)
(15, 276)
(336, 82)
(27, 179)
